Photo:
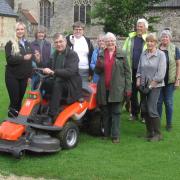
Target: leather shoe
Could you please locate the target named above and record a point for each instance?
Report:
(115, 140)
(104, 138)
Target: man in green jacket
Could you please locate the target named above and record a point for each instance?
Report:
(133, 47)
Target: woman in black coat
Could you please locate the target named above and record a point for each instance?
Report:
(18, 68)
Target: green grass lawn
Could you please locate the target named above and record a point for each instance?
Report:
(95, 159)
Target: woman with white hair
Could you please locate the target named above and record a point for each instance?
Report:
(172, 77)
(18, 68)
(114, 80)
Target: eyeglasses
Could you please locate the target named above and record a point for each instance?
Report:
(78, 29)
(100, 40)
(111, 41)
(58, 42)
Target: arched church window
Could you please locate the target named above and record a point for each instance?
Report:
(45, 13)
(82, 9)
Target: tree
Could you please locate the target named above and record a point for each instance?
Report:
(119, 16)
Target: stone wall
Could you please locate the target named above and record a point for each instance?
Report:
(31, 5)
(63, 17)
(168, 18)
(7, 29)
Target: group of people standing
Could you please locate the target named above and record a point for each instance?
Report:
(142, 64)
(155, 75)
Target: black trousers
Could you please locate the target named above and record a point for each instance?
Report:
(59, 90)
(16, 90)
(135, 105)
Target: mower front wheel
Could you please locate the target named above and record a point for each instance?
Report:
(69, 136)
(19, 154)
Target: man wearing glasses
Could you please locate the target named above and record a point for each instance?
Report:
(66, 79)
(83, 47)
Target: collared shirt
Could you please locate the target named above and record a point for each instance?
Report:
(22, 42)
(152, 67)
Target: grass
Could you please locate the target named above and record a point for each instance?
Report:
(95, 159)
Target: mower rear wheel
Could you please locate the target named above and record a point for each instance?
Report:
(69, 136)
(95, 126)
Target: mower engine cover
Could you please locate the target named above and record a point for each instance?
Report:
(11, 131)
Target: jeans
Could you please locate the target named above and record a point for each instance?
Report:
(84, 73)
(166, 96)
(35, 80)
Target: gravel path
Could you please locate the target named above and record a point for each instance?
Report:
(13, 177)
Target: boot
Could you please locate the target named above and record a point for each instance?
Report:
(157, 133)
(12, 113)
(149, 127)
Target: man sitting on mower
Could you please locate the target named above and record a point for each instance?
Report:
(66, 79)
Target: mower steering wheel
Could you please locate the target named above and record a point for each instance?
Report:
(39, 72)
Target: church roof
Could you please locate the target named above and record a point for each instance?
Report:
(6, 10)
(29, 16)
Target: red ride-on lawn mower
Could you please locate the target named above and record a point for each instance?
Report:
(27, 132)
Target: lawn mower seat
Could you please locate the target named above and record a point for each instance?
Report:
(86, 90)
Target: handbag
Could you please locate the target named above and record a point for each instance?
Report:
(145, 89)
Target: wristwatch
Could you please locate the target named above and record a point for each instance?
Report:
(150, 87)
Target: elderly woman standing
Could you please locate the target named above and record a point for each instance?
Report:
(172, 77)
(18, 68)
(150, 79)
(114, 82)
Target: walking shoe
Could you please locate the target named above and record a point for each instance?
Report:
(143, 120)
(115, 140)
(155, 138)
(133, 118)
(104, 138)
(168, 128)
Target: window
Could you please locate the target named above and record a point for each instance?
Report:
(45, 13)
(82, 9)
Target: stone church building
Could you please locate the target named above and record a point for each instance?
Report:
(7, 22)
(59, 15)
